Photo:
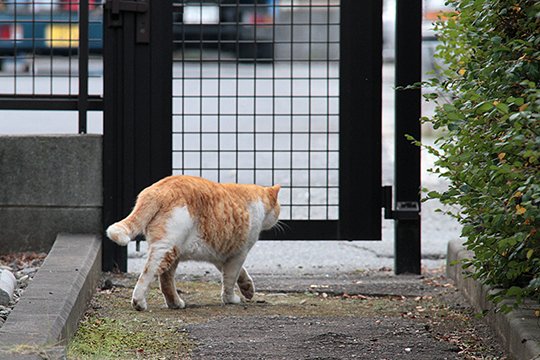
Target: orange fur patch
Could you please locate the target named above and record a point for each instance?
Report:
(220, 211)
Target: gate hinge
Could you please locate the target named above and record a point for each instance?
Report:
(405, 210)
(114, 9)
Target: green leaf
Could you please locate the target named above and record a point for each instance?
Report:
(484, 107)
(433, 195)
(502, 107)
(453, 116)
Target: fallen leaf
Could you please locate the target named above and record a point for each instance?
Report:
(524, 107)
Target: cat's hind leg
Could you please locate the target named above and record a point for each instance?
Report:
(161, 256)
(168, 288)
(230, 272)
(245, 283)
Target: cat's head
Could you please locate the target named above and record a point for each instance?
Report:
(272, 207)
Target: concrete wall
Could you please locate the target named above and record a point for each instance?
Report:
(48, 184)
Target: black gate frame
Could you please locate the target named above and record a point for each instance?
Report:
(138, 113)
(137, 56)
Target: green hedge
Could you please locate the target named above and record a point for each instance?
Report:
(490, 147)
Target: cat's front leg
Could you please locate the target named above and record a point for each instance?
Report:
(230, 272)
(138, 298)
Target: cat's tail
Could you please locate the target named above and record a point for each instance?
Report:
(122, 232)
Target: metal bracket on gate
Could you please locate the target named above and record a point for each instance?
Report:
(141, 8)
(405, 210)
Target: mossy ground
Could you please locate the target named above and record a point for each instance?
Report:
(112, 329)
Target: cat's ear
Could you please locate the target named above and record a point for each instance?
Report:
(274, 190)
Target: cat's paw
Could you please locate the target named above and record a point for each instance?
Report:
(231, 299)
(177, 304)
(247, 289)
(139, 305)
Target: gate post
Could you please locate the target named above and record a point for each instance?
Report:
(360, 106)
(137, 124)
(407, 122)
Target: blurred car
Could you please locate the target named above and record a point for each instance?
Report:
(244, 27)
(45, 27)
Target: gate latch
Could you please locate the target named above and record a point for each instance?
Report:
(142, 19)
(405, 210)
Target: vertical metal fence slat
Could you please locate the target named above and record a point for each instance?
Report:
(218, 81)
(255, 115)
(83, 64)
(15, 48)
(407, 114)
(33, 53)
(328, 42)
(291, 116)
(273, 92)
(237, 83)
(310, 123)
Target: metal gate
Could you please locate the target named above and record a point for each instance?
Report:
(261, 95)
(264, 91)
(259, 91)
(250, 92)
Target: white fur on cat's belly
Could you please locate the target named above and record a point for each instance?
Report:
(181, 231)
(118, 234)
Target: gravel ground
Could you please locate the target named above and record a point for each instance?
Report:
(24, 266)
(350, 316)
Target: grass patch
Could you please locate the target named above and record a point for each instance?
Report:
(106, 338)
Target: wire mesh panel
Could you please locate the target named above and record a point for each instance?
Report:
(256, 98)
(47, 52)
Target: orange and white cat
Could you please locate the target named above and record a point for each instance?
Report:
(190, 218)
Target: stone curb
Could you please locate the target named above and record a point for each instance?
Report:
(519, 330)
(47, 315)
